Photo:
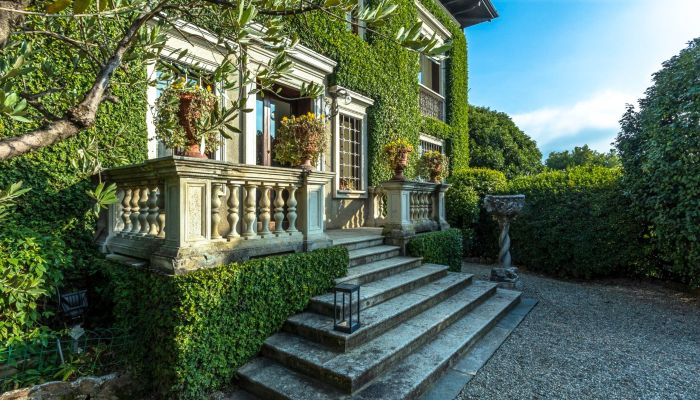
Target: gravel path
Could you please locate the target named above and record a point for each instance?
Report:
(617, 339)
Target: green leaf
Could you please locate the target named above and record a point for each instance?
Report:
(79, 6)
(57, 6)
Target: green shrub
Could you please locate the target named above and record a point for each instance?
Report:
(442, 247)
(31, 268)
(658, 147)
(576, 223)
(192, 332)
(465, 211)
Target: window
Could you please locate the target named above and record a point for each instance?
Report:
(158, 149)
(430, 74)
(354, 24)
(350, 153)
(428, 143)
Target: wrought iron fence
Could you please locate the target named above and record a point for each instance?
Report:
(60, 358)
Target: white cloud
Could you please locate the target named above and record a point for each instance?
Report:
(602, 111)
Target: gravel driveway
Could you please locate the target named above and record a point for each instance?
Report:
(617, 339)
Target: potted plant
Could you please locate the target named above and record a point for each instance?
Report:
(397, 152)
(434, 163)
(301, 139)
(183, 113)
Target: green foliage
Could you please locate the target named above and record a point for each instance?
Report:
(379, 68)
(192, 332)
(31, 268)
(464, 208)
(577, 223)
(434, 127)
(659, 146)
(497, 143)
(8, 198)
(300, 138)
(581, 156)
(441, 247)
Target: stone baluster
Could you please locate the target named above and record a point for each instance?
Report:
(153, 211)
(249, 216)
(161, 212)
(232, 215)
(279, 209)
(413, 208)
(216, 194)
(265, 210)
(134, 216)
(292, 209)
(424, 198)
(126, 211)
(143, 211)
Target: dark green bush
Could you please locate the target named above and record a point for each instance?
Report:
(465, 211)
(576, 223)
(32, 264)
(192, 332)
(442, 247)
(659, 147)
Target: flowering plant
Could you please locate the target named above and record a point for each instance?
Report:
(397, 152)
(434, 163)
(184, 116)
(301, 139)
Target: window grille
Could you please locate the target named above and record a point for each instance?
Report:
(350, 153)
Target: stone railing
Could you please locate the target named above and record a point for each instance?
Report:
(182, 214)
(431, 104)
(405, 208)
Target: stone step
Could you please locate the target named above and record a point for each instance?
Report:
(409, 378)
(379, 269)
(359, 242)
(380, 318)
(370, 254)
(355, 368)
(384, 289)
(272, 381)
(406, 380)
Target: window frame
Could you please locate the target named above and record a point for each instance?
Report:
(356, 108)
(432, 140)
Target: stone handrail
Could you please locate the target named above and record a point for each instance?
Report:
(182, 214)
(411, 207)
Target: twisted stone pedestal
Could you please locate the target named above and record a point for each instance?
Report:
(504, 209)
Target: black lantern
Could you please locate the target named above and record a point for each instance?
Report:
(74, 304)
(343, 319)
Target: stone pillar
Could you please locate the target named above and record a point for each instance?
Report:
(398, 228)
(439, 206)
(312, 207)
(504, 209)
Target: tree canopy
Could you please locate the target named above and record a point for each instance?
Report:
(495, 142)
(103, 38)
(659, 145)
(581, 156)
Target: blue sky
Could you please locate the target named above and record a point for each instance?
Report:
(564, 69)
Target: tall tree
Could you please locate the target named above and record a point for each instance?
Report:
(495, 142)
(579, 156)
(104, 36)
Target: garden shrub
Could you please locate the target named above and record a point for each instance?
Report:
(32, 264)
(441, 247)
(192, 332)
(465, 211)
(659, 147)
(576, 223)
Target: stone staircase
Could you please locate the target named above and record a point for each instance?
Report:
(417, 320)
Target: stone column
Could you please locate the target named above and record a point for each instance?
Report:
(504, 209)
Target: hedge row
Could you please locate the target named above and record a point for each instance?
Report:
(576, 223)
(441, 247)
(192, 332)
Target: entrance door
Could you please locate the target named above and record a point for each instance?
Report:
(269, 110)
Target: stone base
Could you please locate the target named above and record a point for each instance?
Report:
(506, 278)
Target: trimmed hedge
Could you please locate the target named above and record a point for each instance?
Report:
(442, 247)
(192, 332)
(465, 211)
(658, 147)
(577, 223)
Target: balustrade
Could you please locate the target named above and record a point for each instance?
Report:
(180, 212)
(410, 207)
(431, 104)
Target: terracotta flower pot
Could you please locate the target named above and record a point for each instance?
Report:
(401, 164)
(306, 165)
(435, 174)
(187, 119)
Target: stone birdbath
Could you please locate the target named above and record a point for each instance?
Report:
(504, 209)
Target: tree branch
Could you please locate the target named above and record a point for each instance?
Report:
(274, 13)
(84, 114)
(8, 19)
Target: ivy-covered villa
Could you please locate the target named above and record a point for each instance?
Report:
(188, 209)
(299, 250)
